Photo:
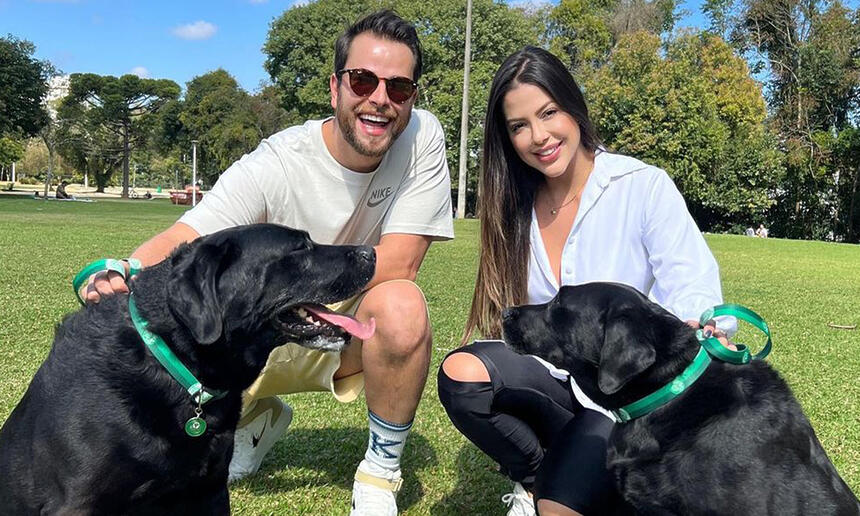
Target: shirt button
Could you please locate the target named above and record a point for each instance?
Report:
(568, 272)
(570, 241)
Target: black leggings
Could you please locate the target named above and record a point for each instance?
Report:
(517, 418)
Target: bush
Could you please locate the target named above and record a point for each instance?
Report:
(29, 180)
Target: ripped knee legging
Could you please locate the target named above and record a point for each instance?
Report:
(530, 423)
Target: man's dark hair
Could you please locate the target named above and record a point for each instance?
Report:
(385, 24)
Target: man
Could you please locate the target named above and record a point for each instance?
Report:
(374, 174)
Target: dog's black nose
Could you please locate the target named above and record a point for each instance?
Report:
(508, 314)
(365, 253)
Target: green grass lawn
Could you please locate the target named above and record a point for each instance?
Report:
(798, 287)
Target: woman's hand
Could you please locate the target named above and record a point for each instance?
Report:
(710, 330)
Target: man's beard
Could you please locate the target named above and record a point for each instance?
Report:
(346, 120)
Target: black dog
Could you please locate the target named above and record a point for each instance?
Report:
(736, 442)
(100, 430)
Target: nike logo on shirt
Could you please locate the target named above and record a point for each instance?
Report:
(379, 196)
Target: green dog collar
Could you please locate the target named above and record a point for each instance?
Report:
(710, 347)
(668, 392)
(195, 426)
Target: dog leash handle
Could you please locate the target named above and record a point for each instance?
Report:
(106, 264)
(743, 354)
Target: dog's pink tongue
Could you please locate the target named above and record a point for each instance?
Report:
(355, 328)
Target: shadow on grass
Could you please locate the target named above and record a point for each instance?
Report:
(323, 457)
(477, 484)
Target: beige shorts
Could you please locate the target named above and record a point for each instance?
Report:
(292, 368)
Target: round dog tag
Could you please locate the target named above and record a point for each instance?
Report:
(195, 426)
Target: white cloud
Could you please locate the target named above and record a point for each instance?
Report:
(197, 30)
(140, 71)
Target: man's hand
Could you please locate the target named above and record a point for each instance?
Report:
(710, 330)
(154, 250)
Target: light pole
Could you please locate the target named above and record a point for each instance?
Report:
(464, 117)
(193, 172)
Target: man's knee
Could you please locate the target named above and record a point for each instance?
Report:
(402, 322)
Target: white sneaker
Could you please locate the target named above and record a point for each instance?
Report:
(258, 430)
(374, 491)
(520, 502)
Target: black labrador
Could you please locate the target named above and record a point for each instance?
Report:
(735, 442)
(100, 430)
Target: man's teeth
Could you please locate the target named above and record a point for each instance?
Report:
(375, 118)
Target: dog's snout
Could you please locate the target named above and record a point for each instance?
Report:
(508, 314)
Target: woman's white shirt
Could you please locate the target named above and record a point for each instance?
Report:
(632, 227)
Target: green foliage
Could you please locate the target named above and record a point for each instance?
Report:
(10, 150)
(216, 113)
(309, 471)
(694, 111)
(23, 87)
(225, 120)
(106, 117)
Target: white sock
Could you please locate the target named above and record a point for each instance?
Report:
(386, 441)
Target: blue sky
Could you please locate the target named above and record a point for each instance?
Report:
(176, 40)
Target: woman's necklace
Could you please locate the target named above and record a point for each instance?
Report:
(554, 211)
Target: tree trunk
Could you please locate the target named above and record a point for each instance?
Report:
(50, 147)
(851, 232)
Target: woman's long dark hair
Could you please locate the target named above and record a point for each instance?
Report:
(508, 186)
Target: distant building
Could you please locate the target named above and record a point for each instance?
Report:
(58, 87)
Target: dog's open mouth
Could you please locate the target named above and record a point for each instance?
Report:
(316, 326)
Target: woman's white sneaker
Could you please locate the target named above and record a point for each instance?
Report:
(520, 502)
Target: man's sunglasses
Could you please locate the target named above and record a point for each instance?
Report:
(364, 82)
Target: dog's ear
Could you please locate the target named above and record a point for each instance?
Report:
(193, 290)
(628, 349)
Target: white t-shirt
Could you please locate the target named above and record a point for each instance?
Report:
(291, 179)
(632, 227)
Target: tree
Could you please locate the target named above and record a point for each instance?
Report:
(217, 113)
(267, 113)
(585, 31)
(694, 111)
(105, 106)
(10, 150)
(23, 88)
(808, 49)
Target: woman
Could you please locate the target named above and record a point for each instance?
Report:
(558, 209)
